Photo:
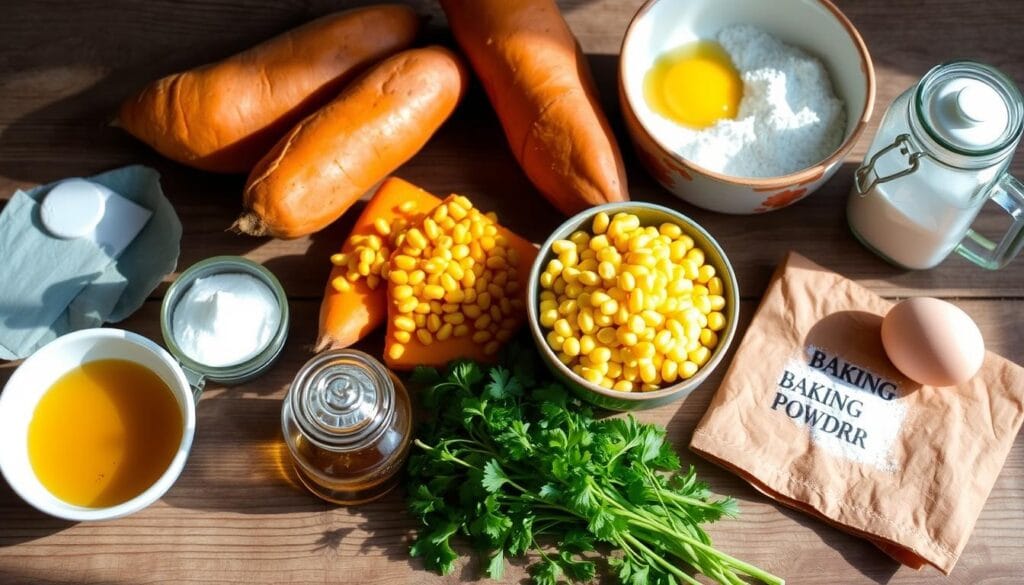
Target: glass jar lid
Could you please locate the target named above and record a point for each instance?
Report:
(971, 109)
(342, 399)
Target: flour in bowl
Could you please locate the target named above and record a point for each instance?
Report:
(788, 119)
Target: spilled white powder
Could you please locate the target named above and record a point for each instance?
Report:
(788, 119)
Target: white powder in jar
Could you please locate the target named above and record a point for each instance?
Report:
(788, 119)
(225, 319)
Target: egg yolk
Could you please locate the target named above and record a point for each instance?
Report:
(695, 85)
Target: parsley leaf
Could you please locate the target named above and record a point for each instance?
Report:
(515, 463)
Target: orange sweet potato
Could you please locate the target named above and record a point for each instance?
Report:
(346, 317)
(331, 158)
(225, 116)
(540, 86)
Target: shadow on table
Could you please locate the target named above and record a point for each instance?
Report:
(23, 523)
(863, 556)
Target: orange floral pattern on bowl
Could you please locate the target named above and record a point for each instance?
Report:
(781, 199)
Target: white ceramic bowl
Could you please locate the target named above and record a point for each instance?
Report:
(816, 26)
(39, 372)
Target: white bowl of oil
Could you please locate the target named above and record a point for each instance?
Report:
(95, 425)
(815, 26)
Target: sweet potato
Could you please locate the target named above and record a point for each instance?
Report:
(540, 86)
(348, 316)
(225, 116)
(331, 158)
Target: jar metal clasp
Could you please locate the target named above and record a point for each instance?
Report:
(866, 178)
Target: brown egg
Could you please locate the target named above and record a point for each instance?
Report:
(932, 342)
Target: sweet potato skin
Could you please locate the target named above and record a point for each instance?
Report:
(540, 85)
(225, 116)
(331, 158)
(347, 317)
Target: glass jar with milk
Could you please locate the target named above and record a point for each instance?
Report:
(940, 154)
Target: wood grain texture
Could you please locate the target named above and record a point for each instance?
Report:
(236, 515)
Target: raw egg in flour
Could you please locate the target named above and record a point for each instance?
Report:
(695, 85)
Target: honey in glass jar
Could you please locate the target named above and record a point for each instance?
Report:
(347, 422)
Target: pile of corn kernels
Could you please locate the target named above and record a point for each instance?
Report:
(630, 307)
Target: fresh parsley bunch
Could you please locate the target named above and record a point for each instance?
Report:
(517, 465)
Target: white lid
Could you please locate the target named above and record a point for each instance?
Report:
(968, 113)
(72, 209)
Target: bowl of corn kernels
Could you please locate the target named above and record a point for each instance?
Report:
(632, 304)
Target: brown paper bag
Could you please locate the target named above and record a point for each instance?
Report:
(813, 414)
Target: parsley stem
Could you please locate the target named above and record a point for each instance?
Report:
(661, 561)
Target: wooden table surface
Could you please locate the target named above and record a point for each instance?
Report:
(236, 515)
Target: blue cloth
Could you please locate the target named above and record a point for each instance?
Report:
(50, 286)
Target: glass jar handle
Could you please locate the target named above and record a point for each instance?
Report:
(1008, 192)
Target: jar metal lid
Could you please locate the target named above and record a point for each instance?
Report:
(198, 372)
(342, 399)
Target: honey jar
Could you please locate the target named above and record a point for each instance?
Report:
(347, 422)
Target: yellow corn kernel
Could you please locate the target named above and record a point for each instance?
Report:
(461, 330)
(483, 337)
(404, 323)
(606, 335)
(600, 223)
(623, 386)
(433, 292)
(627, 338)
(716, 321)
(609, 307)
(403, 336)
(482, 322)
(627, 281)
(648, 373)
(416, 277)
(687, 369)
(591, 375)
(425, 337)
(669, 371)
(402, 291)
(717, 302)
(398, 276)
(703, 304)
(587, 344)
(404, 262)
(585, 321)
(700, 355)
(492, 347)
(408, 305)
(606, 270)
(559, 246)
(422, 308)
(571, 347)
(415, 238)
(562, 327)
(433, 322)
(708, 338)
(340, 284)
(705, 273)
(715, 286)
(396, 351)
(644, 350)
(697, 255)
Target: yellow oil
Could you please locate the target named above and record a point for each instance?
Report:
(695, 85)
(104, 433)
